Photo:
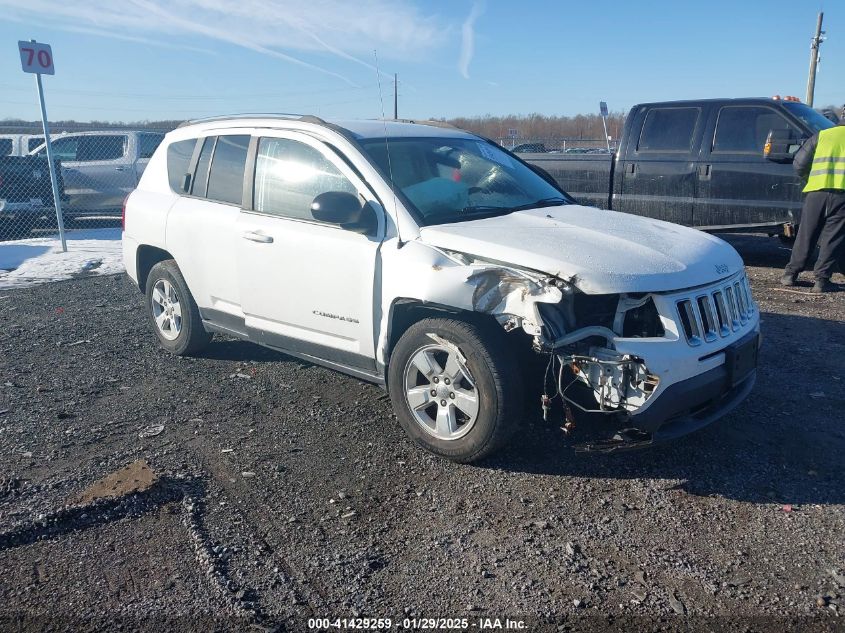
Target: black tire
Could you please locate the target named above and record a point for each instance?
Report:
(192, 336)
(489, 360)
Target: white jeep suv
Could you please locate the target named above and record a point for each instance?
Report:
(435, 263)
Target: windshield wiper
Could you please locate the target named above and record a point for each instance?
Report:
(543, 202)
(485, 209)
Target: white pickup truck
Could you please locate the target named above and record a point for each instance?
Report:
(433, 262)
(101, 168)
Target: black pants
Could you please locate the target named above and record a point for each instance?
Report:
(822, 222)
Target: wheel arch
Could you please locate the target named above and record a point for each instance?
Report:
(146, 257)
(404, 312)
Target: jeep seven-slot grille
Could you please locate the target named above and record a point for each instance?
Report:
(716, 312)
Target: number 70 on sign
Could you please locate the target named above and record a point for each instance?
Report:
(36, 58)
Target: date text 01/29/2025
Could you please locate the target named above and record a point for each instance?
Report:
(416, 624)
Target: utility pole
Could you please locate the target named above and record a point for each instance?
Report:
(814, 60)
(396, 96)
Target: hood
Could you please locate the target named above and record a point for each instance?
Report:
(600, 252)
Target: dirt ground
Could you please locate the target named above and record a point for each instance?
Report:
(271, 491)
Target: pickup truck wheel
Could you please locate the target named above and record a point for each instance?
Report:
(173, 312)
(455, 388)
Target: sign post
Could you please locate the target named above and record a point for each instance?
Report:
(38, 59)
(603, 112)
(513, 133)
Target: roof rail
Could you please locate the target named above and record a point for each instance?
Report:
(306, 118)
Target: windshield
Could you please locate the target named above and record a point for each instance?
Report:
(814, 120)
(455, 179)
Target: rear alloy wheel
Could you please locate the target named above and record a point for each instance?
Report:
(173, 312)
(455, 388)
(167, 311)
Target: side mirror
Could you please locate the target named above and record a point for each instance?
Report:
(344, 209)
(778, 145)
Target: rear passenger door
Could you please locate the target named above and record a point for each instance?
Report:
(307, 286)
(202, 224)
(737, 185)
(659, 171)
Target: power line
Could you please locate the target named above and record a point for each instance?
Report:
(170, 97)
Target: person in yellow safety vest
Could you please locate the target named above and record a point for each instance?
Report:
(821, 160)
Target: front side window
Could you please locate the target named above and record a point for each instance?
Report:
(32, 143)
(6, 146)
(743, 129)
(455, 179)
(94, 148)
(668, 130)
(290, 174)
(63, 148)
(148, 144)
(226, 177)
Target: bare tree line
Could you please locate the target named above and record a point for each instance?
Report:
(530, 126)
(541, 126)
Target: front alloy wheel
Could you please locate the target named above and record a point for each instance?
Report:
(455, 387)
(441, 393)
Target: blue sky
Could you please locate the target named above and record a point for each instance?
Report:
(155, 59)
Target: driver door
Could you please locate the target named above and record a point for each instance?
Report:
(306, 286)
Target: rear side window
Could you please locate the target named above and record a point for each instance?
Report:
(179, 162)
(94, 148)
(290, 174)
(201, 172)
(743, 129)
(32, 143)
(5, 146)
(668, 130)
(226, 177)
(148, 144)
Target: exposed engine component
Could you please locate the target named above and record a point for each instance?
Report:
(618, 382)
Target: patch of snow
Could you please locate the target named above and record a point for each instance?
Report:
(40, 260)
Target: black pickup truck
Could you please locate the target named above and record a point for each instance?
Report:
(698, 163)
(26, 194)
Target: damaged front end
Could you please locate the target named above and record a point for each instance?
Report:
(596, 386)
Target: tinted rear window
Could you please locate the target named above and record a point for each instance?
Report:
(668, 130)
(226, 178)
(179, 162)
(5, 146)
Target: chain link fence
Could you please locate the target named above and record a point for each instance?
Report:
(523, 145)
(97, 166)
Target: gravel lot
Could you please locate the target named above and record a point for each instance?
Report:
(281, 491)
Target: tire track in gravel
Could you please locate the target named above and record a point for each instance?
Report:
(297, 580)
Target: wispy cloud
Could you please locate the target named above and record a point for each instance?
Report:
(284, 29)
(468, 38)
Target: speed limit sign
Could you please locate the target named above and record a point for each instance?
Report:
(36, 58)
